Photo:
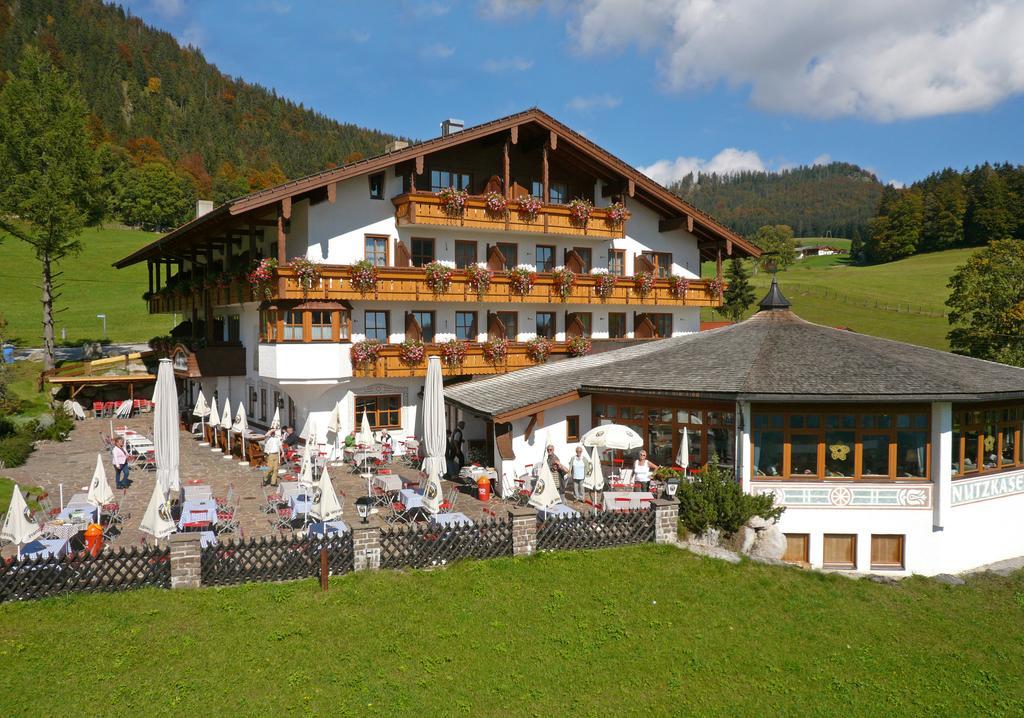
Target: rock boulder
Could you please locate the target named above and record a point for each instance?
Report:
(770, 543)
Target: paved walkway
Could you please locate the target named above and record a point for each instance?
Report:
(71, 463)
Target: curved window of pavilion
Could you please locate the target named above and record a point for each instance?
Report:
(987, 439)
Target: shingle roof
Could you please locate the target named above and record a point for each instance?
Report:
(773, 356)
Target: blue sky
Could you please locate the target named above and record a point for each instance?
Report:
(901, 88)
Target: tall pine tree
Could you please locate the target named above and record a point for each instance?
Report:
(739, 295)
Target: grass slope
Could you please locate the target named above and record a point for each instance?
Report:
(91, 287)
(633, 631)
(831, 291)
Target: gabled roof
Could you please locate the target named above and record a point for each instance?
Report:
(671, 203)
(773, 356)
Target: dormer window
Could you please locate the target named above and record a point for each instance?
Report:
(377, 186)
(443, 179)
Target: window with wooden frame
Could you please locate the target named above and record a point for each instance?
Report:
(383, 412)
(887, 551)
(292, 330)
(558, 192)
(427, 325)
(234, 329)
(546, 325)
(572, 427)
(616, 325)
(263, 403)
(662, 323)
(376, 325)
(511, 322)
(798, 549)
(376, 250)
(617, 262)
(987, 439)
(545, 257)
(510, 251)
(662, 262)
(268, 325)
(839, 551)
(422, 251)
(466, 326)
(443, 179)
(320, 326)
(587, 255)
(251, 391)
(859, 444)
(465, 253)
(377, 185)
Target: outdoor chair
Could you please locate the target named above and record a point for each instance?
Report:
(197, 521)
(114, 515)
(227, 519)
(271, 499)
(282, 519)
(380, 497)
(449, 502)
(229, 500)
(399, 514)
(97, 409)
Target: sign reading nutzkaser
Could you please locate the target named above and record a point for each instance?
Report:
(993, 487)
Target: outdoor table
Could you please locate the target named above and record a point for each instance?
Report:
(291, 489)
(78, 514)
(454, 518)
(207, 539)
(195, 492)
(301, 504)
(475, 472)
(62, 530)
(334, 528)
(631, 500)
(388, 482)
(198, 510)
(80, 498)
(358, 456)
(412, 499)
(557, 511)
(46, 548)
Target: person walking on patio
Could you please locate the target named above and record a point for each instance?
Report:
(580, 468)
(119, 458)
(272, 450)
(557, 468)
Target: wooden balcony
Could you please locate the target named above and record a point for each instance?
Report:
(389, 365)
(424, 208)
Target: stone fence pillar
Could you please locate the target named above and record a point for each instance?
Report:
(186, 570)
(524, 530)
(666, 520)
(366, 544)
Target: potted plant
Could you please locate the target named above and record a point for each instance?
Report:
(521, 279)
(364, 277)
(453, 353)
(604, 283)
(365, 353)
(439, 277)
(580, 211)
(495, 205)
(529, 208)
(677, 286)
(411, 352)
(538, 349)
(578, 346)
(716, 287)
(478, 277)
(564, 278)
(643, 283)
(496, 350)
(453, 201)
(616, 214)
(307, 272)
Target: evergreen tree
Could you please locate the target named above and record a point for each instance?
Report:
(988, 215)
(739, 295)
(945, 204)
(896, 232)
(777, 245)
(50, 185)
(987, 304)
(856, 245)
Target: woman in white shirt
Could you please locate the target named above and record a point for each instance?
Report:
(642, 470)
(119, 458)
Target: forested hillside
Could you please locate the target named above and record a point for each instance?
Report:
(838, 199)
(166, 121)
(949, 209)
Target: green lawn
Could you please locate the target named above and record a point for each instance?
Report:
(831, 291)
(91, 287)
(633, 631)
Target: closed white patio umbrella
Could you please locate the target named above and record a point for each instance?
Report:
(334, 425)
(326, 506)
(545, 492)
(202, 410)
(18, 528)
(165, 429)
(215, 425)
(594, 482)
(683, 455)
(433, 419)
(275, 423)
(433, 493)
(612, 436)
(157, 520)
(99, 489)
(364, 436)
(225, 425)
(306, 465)
(241, 427)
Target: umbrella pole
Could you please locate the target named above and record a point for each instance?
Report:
(62, 497)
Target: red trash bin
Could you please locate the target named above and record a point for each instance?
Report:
(94, 539)
(483, 488)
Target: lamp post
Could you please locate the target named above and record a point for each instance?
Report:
(363, 504)
(104, 318)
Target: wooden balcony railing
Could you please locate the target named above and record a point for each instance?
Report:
(424, 208)
(389, 365)
(408, 284)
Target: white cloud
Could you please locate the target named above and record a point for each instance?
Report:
(728, 161)
(431, 9)
(897, 184)
(169, 8)
(508, 64)
(593, 102)
(501, 9)
(823, 159)
(437, 51)
(878, 59)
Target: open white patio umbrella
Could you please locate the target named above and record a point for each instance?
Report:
(215, 425)
(683, 455)
(326, 506)
(99, 489)
(18, 527)
(225, 424)
(275, 423)
(157, 521)
(433, 419)
(165, 429)
(202, 410)
(432, 492)
(612, 436)
(241, 427)
(545, 492)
